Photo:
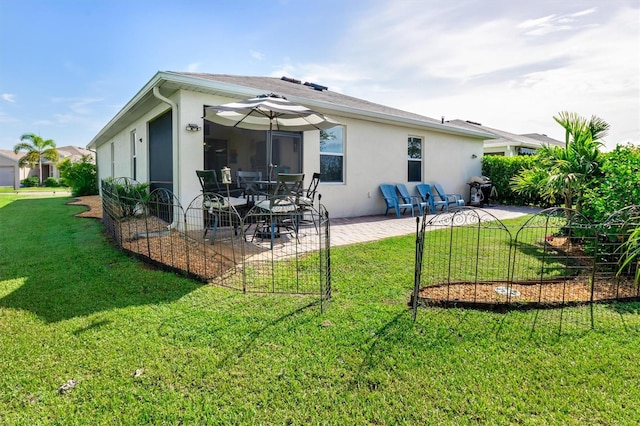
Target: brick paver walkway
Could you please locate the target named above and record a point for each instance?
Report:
(370, 228)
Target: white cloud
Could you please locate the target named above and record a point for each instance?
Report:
(194, 67)
(78, 105)
(6, 119)
(258, 56)
(9, 97)
(492, 70)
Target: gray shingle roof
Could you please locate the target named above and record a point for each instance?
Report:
(282, 87)
(531, 140)
(10, 154)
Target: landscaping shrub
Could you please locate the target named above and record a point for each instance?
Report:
(51, 182)
(130, 194)
(501, 169)
(618, 188)
(81, 175)
(31, 182)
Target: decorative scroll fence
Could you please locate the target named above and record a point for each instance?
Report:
(215, 242)
(556, 258)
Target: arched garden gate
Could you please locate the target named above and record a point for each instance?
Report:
(556, 258)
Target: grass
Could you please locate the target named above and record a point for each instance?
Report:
(10, 190)
(71, 307)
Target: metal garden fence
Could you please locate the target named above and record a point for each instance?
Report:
(240, 247)
(556, 258)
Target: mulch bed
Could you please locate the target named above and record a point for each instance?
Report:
(573, 291)
(150, 238)
(94, 204)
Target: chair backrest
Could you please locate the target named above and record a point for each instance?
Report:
(287, 190)
(389, 193)
(404, 193)
(424, 189)
(245, 180)
(441, 193)
(313, 186)
(208, 180)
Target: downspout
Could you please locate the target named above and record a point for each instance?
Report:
(175, 124)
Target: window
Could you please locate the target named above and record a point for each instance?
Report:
(414, 155)
(113, 160)
(134, 154)
(332, 154)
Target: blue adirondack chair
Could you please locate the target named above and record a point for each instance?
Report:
(392, 200)
(412, 199)
(424, 189)
(455, 200)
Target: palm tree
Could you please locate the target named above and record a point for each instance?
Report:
(566, 172)
(37, 149)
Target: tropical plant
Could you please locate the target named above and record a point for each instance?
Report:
(564, 174)
(131, 195)
(36, 149)
(631, 249)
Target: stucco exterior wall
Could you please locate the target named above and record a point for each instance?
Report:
(375, 153)
(123, 149)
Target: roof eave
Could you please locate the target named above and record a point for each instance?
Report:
(234, 90)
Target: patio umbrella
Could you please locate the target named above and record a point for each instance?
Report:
(268, 112)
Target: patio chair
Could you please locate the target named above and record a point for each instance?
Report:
(246, 182)
(209, 183)
(392, 201)
(282, 209)
(413, 199)
(218, 212)
(424, 189)
(307, 199)
(455, 200)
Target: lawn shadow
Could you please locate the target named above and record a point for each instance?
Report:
(250, 341)
(65, 267)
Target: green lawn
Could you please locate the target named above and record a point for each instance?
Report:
(72, 307)
(9, 190)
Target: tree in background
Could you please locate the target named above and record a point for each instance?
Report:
(564, 174)
(81, 176)
(36, 149)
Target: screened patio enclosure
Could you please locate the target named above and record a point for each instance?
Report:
(248, 150)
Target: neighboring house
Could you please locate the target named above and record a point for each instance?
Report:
(74, 153)
(508, 144)
(11, 174)
(160, 137)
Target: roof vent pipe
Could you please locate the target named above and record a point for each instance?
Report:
(442, 119)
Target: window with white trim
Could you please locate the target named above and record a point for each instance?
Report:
(113, 159)
(414, 158)
(134, 154)
(332, 154)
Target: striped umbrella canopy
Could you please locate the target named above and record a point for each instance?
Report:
(268, 112)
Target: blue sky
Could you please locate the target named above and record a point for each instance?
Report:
(68, 66)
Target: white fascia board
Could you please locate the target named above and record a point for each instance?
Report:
(125, 109)
(379, 117)
(233, 90)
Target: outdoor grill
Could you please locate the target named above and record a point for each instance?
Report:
(481, 190)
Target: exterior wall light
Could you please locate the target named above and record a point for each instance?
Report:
(193, 127)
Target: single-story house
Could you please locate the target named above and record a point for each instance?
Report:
(11, 174)
(160, 137)
(506, 143)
